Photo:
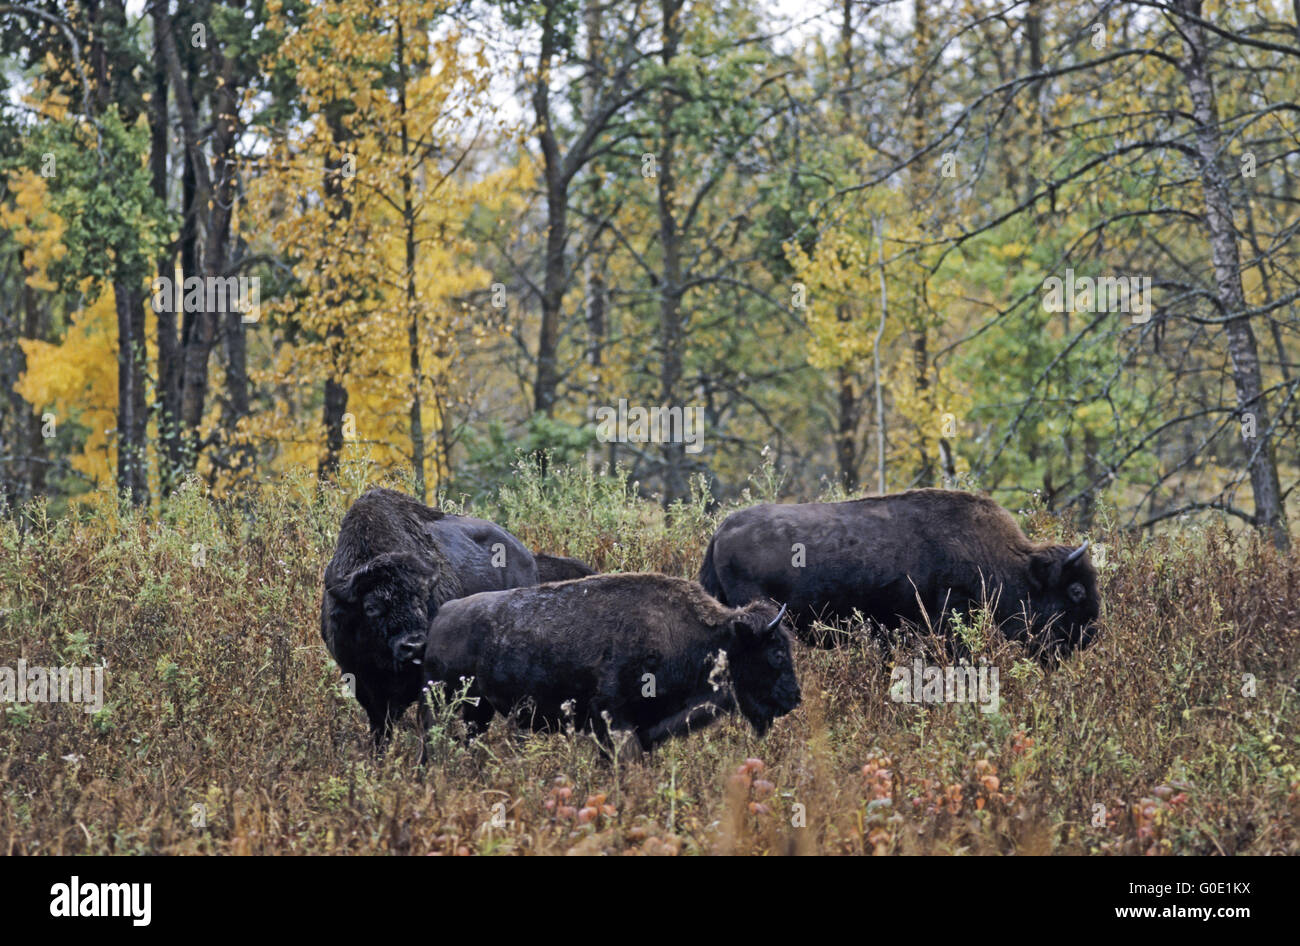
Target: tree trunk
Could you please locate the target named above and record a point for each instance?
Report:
(1091, 476)
(594, 288)
(920, 329)
(1034, 39)
(671, 329)
(554, 276)
(846, 439)
(850, 408)
(1270, 516)
(336, 405)
(171, 463)
(132, 418)
(881, 443)
(596, 301)
(336, 393)
(29, 467)
(412, 303)
(212, 202)
(194, 323)
(233, 336)
(128, 300)
(191, 321)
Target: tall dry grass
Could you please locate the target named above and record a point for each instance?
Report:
(226, 731)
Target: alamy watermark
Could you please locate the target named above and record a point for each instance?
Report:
(637, 424)
(242, 294)
(1129, 294)
(929, 683)
(78, 899)
(26, 684)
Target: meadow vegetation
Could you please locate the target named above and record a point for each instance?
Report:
(225, 729)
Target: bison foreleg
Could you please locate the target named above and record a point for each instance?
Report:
(475, 713)
(424, 715)
(703, 713)
(380, 714)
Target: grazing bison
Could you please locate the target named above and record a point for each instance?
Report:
(633, 652)
(889, 556)
(560, 568)
(398, 561)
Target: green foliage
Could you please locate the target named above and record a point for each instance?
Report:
(494, 456)
(602, 517)
(558, 17)
(101, 188)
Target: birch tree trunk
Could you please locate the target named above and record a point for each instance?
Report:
(1270, 516)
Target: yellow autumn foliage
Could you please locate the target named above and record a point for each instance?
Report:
(76, 380)
(36, 229)
(356, 316)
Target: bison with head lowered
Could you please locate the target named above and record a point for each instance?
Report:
(908, 556)
(397, 561)
(647, 653)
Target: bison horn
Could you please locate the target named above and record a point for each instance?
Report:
(777, 620)
(1077, 553)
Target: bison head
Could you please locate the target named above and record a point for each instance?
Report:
(761, 666)
(1063, 600)
(389, 601)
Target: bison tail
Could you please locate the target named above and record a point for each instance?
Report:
(709, 575)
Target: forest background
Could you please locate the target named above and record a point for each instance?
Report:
(1037, 248)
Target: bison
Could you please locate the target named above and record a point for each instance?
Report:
(397, 561)
(560, 568)
(915, 556)
(647, 653)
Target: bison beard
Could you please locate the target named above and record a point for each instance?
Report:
(397, 561)
(909, 557)
(615, 653)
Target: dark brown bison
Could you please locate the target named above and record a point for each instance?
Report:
(560, 568)
(632, 652)
(397, 561)
(888, 557)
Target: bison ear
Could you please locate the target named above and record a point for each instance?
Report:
(1045, 566)
(342, 588)
(756, 625)
(349, 588)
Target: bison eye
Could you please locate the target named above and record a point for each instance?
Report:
(373, 610)
(1076, 592)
